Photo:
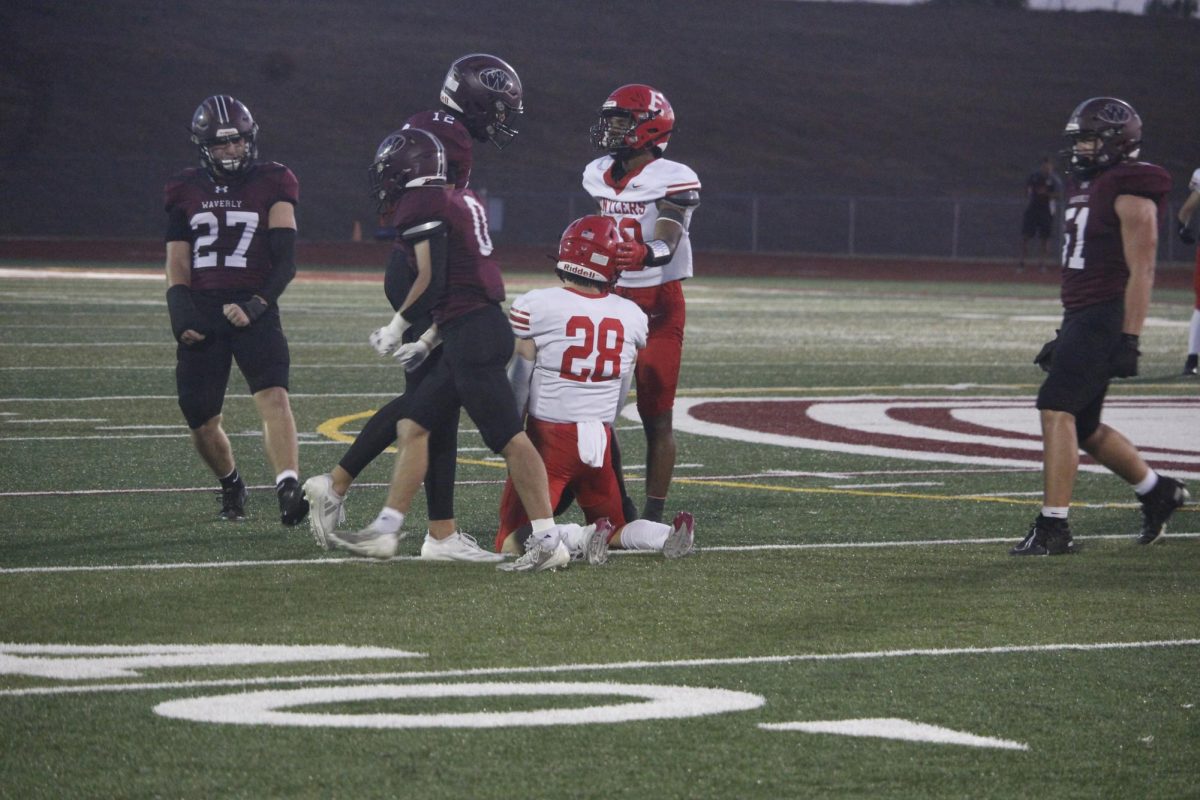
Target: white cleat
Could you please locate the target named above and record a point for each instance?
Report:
(458, 546)
(326, 512)
(370, 542)
(681, 541)
(539, 559)
(595, 542)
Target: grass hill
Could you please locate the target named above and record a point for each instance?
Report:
(771, 97)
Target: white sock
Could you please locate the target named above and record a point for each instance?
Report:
(1055, 512)
(642, 534)
(389, 521)
(1194, 333)
(287, 473)
(1147, 485)
(545, 532)
(572, 534)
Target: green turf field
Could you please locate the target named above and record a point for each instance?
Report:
(852, 627)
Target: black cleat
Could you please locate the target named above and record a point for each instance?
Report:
(1047, 537)
(1157, 507)
(293, 506)
(1190, 366)
(233, 502)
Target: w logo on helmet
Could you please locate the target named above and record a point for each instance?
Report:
(496, 79)
(1114, 114)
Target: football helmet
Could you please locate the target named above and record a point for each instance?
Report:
(588, 249)
(1113, 124)
(406, 158)
(486, 94)
(634, 117)
(221, 119)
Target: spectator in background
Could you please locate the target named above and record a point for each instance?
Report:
(231, 237)
(1189, 237)
(1042, 190)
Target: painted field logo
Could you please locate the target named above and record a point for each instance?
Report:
(994, 431)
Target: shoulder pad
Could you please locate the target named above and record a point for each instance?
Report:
(688, 198)
(423, 231)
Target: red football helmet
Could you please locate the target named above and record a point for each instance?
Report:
(221, 119)
(486, 94)
(1114, 125)
(634, 117)
(406, 158)
(588, 249)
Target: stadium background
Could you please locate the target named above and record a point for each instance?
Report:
(819, 128)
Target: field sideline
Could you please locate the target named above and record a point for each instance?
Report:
(859, 456)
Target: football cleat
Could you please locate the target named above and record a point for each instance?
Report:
(595, 542)
(681, 541)
(1047, 536)
(370, 542)
(1157, 507)
(1190, 366)
(233, 502)
(327, 510)
(293, 508)
(458, 546)
(539, 559)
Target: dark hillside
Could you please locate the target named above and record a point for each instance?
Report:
(772, 97)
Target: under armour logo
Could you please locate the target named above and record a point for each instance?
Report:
(221, 189)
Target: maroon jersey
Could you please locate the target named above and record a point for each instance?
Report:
(473, 278)
(455, 139)
(1094, 268)
(226, 223)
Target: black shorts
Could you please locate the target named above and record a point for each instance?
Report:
(1036, 223)
(472, 375)
(1082, 366)
(202, 370)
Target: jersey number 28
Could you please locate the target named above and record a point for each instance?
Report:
(598, 357)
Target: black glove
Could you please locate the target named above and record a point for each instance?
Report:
(253, 308)
(1124, 358)
(1186, 234)
(183, 312)
(1045, 356)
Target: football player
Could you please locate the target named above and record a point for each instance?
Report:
(652, 200)
(231, 235)
(1188, 236)
(576, 348)
(1114, 204)
(481, 100)
(459, 285)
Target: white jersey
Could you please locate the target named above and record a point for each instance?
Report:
(1194, 184)
(585, 344)
(632, 200)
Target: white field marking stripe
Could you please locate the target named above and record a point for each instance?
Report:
(883, 485)
(51, 421)
(168, 343)
(743, 548)
(172, 367)
(174, 398)
(610, 666)
(213, 488)
(75, 274)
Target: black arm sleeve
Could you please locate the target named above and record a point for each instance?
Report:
(182, 309)
(282, 244)
(437, 237)
(178, 229)
(397, 279)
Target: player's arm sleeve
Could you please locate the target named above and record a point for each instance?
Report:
(520, 372)
(674, 215)
(178, 229)
(429, 240)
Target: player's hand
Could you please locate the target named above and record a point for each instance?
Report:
(385, 340)
(630, 256)
(190, 337)
(236, 316)
(1186, 234)
(244, 314)
(1045, 356)
(1125, 357)
(413, 354)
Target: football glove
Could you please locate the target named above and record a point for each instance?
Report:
(1045, 356)
(385, 340)
(412, 355)
(1125, 357)
(1186, 234)
(630, 256)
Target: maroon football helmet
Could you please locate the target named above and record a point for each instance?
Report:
(406, 158)
(221, 119)
(588, 249)
(485, 93)
(634, 117)
(1115, 126)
